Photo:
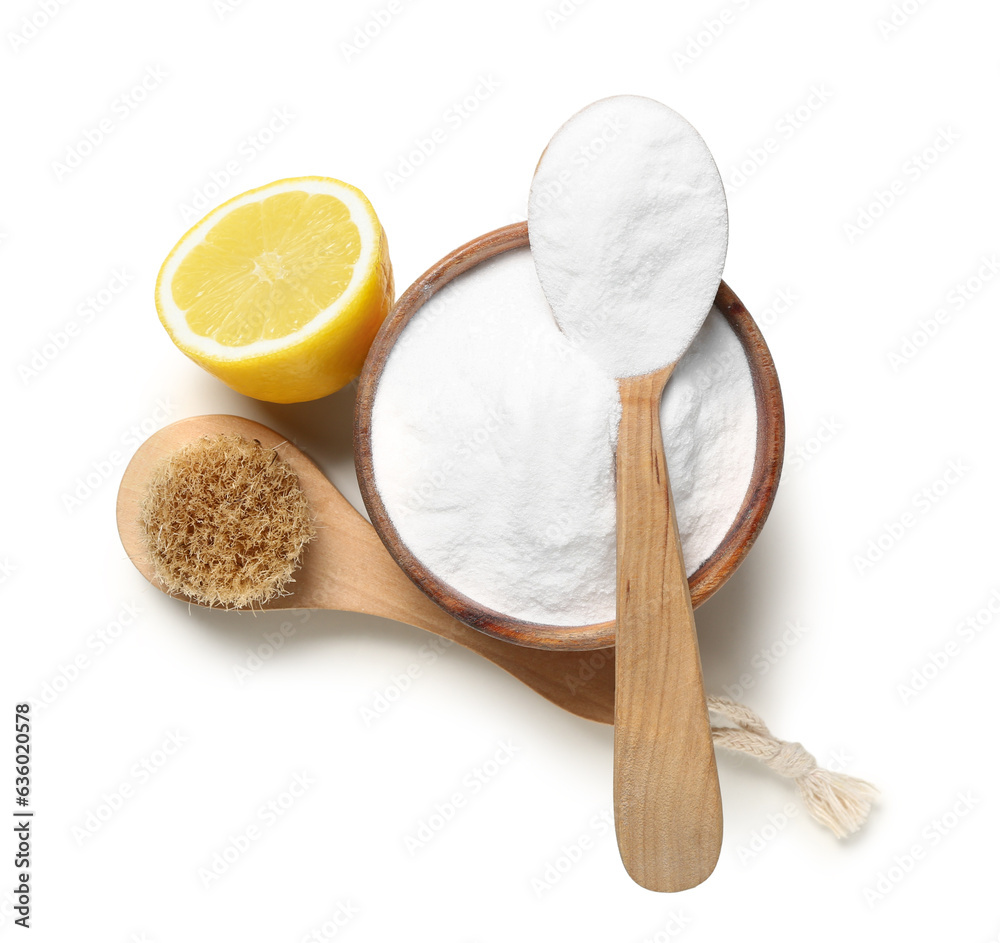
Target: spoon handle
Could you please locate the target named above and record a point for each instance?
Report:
(668, 810)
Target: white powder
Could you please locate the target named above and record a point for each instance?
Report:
(493, 442)
(628, 224)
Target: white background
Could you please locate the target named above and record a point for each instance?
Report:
(887, 95)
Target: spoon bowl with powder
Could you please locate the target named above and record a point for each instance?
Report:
(629, 242)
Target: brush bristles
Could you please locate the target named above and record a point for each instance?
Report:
(225, 522)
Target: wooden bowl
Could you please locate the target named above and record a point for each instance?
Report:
(705, 581)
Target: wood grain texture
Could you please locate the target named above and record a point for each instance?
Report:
(668, 808)
(346, 567)
(709, 577)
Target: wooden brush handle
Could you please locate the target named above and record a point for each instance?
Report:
(668, 810)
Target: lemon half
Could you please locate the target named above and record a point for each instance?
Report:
(279, 292)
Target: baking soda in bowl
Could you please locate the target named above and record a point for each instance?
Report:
(493, 447)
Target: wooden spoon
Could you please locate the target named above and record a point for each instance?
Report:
(628, 227)
(347, 568)
(668, 807)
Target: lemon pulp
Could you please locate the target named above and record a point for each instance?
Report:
(268, 268)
